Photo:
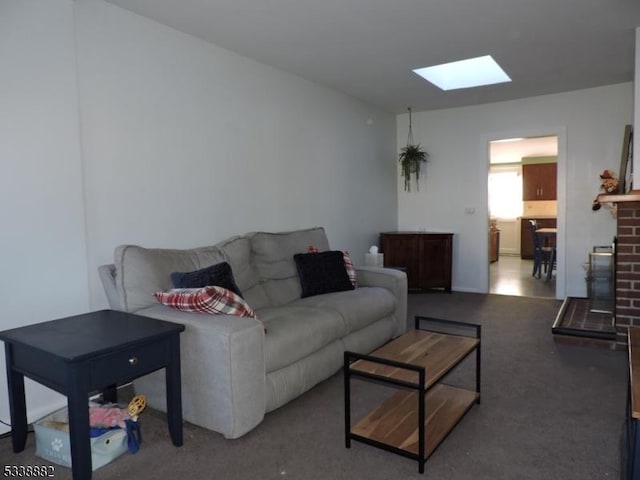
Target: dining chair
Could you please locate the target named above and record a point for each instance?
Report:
(543, 255)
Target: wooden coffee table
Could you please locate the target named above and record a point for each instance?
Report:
(416, 419)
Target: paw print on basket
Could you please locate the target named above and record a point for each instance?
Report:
(57, 444)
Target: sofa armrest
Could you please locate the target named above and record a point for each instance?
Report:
(223, 371)
(393, 280)
(107, 274)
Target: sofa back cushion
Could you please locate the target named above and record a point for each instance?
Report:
(262, 265)
(237, 252)
(273, 259)
(140, 272)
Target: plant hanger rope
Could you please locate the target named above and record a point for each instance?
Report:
(410, 136)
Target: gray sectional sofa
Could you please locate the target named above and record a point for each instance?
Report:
(232, 371)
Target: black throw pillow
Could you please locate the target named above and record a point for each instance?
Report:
(322, 272)
(219, 275)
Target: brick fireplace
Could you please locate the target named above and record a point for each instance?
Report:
(577, 322)
(627, 310)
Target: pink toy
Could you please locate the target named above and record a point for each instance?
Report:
(108, 417)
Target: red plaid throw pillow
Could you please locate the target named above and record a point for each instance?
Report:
(348, 264)
(210, 300)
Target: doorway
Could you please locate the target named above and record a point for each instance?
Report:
(515, 198)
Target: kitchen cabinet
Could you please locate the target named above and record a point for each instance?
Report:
(539, 181)
(494, 243)
(526, 237)
(425, 256)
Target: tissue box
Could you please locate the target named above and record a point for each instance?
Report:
(374, 259)
(52, 441)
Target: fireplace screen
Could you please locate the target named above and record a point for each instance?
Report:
(601, 280)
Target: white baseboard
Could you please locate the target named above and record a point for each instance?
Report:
(35, 414)
(466, 289)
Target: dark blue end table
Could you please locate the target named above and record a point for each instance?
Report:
(84, 354)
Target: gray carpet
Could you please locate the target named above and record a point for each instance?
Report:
(549, 411)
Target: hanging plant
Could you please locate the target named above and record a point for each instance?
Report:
(410, 159)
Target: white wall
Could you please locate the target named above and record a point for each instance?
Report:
(115, 129)
(590, 125)
(636, 116)
(186, 144)
(44, 270)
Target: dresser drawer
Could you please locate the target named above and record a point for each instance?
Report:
(125, 365)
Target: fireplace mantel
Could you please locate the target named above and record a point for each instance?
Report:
(632, 196)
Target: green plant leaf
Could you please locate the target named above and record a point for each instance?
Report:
(410, 158)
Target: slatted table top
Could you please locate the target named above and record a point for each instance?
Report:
(436, 352)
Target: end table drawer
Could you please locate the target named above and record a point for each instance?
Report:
(125, 365)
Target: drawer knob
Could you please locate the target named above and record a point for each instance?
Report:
(133, 361)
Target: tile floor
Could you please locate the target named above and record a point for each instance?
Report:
(512, 276)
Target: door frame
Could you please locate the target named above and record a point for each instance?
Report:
(561, 133)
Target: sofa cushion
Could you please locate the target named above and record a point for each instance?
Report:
(140, 272)
(295, 332)
(322, 273)
(273, 259)
(358, 308)
(237, 252)
(210, 299)
(219, 274)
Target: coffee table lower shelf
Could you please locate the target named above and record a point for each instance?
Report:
(394, 424)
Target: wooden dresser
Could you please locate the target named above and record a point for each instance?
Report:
(425, 256)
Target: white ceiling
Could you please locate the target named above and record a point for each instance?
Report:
(367, 48)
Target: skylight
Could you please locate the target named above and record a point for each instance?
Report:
(472, 72)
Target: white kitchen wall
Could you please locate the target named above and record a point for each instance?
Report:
(186, 144)
(44, 270)
(542, 208)
(509, 236)
(590, 124)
